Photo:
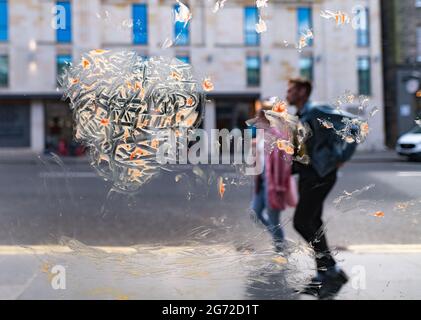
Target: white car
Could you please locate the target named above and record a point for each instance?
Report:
(409, 144)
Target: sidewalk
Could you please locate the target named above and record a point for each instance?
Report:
(199, 272)
(377, 156)
(30, 157)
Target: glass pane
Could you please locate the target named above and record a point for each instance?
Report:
(253, 71)
(140, 24)
(364, 75)
(363, 31)
(419, 44)
(185, 59)
(251, 37)
(305, 22)
(363, 64)
(3, 20)
(181, 31)
(4, 71)
(62, 62)
(306, 68)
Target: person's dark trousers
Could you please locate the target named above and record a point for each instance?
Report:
(313, 191)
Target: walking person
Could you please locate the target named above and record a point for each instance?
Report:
(273, 186)
(316, 180)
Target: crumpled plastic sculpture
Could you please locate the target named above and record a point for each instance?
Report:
(123, 103)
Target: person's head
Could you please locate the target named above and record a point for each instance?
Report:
(260, 121)
(299, 91)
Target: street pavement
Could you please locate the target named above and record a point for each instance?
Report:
(180, 240)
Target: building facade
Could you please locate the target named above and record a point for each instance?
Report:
(244, 66)
(402, 66)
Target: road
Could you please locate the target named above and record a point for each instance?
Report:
(45, 204)
(42, 201)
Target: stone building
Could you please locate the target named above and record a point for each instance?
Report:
(402, 66)
(244, 66)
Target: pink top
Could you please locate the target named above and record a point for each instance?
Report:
(280, 186)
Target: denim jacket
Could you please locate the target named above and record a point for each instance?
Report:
(324, 147)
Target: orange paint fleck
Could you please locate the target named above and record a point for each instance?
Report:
(189, 102)
(302, 42)
(189, 122)
(133, 155)
(143, 123)
(85, 64)
(154, 143)
(45, 267)
(207, 85)
(285, 146)
(134, 174)
(349, 139)
(167, 121)
(379, 214)
(137, 151)
(280, 107)
(340, 18)
(176, 76)
(280, 260)
(364, 128)
(97, 51)
(327, 124)
(142, 93)
(221, 187)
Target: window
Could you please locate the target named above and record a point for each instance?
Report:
(253, 71)
(364, 76)
(305, 21)
(140, 24)
(252, 38)
(185, 59)
(418, 3)
(63, 60)
(419, 44)
(64, 29)
(306, 68)
(181, 31)
(363, 30)
(4, 20)
(4, 71)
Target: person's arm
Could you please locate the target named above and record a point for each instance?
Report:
(347, 153)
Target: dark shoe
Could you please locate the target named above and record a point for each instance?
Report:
(332, 283)
(280, 247)
(313, 288)
(285, 246)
